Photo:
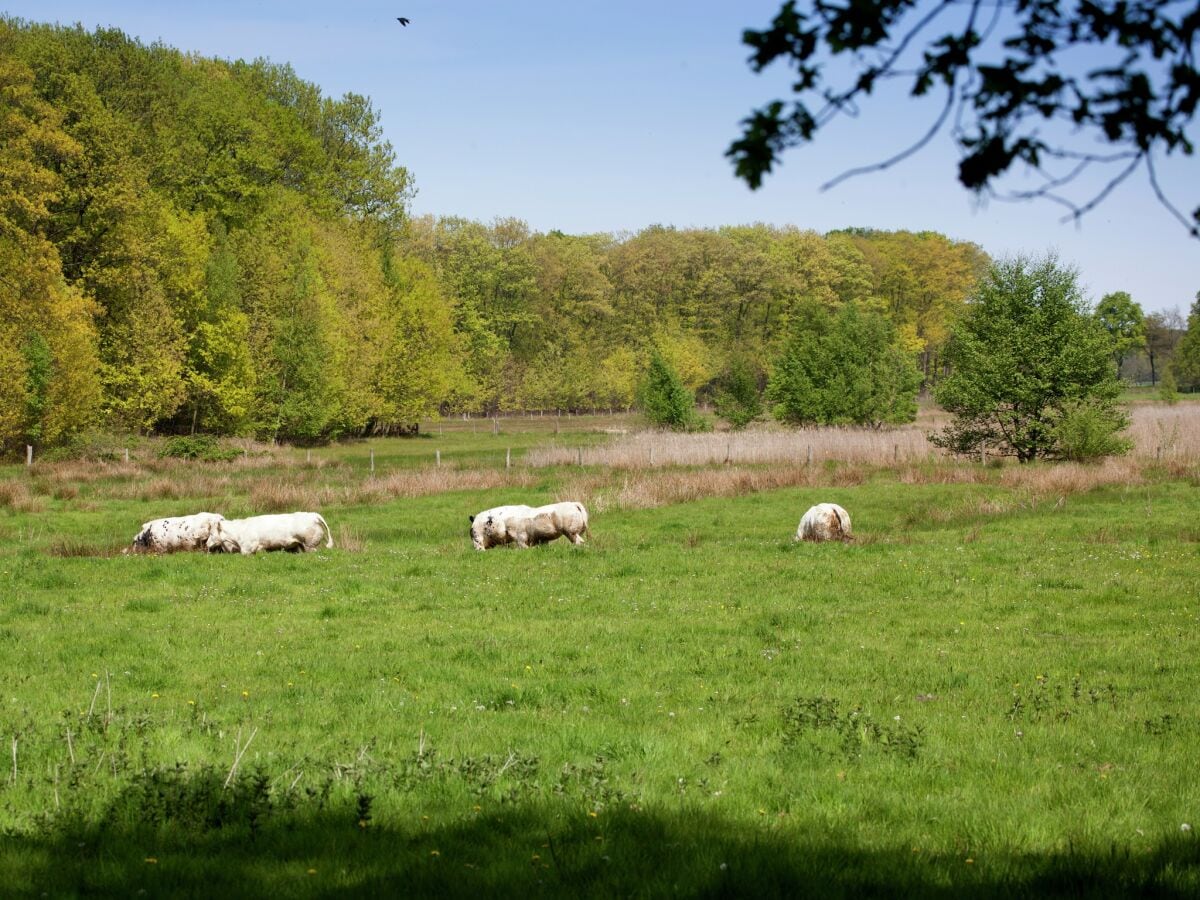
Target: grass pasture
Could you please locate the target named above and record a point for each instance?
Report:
(992, 691)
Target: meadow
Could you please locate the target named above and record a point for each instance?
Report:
(991, 691)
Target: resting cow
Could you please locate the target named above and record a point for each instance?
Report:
(295, 532)
(527, 526)
(825, 522)
(177, 533)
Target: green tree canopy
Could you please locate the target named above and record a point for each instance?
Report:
(843, 367)
(664, 399)
(1024, 357)
(1122, 318)
(1185, 365)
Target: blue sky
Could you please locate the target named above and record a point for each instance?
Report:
(589, 116)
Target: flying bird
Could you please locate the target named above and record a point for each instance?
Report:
(403, 21)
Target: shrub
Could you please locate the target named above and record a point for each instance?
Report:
(197, 446)
(665, 401)
(738, 400)
(1089, 431)
(1168, 387)
(843, 367)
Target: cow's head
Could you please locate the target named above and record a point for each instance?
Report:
(144, 540)
(220, 540)
(485, 530)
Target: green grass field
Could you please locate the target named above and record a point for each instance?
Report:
(990, 692)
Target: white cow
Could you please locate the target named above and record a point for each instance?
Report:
(295, 532)
(825, 522)
(177, 533)
(488, 528)
(527, 527)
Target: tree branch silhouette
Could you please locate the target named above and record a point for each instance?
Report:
(1138, 92)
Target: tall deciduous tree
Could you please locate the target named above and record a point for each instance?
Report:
(1125, 323)
(48, 366)
(1025, 357)
(1163, 331)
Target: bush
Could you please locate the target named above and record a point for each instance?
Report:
(197, 446)
(843, 366)
(93, 445)
(738, 400)
(665, 401)
(1089, 431)
(1168, 388)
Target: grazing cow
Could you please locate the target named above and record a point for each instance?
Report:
(527, 527)
(295, 532)
(177, 533)
(825, 522)
(488, 528)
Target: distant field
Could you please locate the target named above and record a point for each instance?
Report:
(993, 690)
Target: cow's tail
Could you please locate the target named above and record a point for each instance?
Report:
(583, 512)
(843, 525)
(328, 532)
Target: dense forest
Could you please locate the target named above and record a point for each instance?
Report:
(190, 244)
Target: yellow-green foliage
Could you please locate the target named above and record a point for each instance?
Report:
(206, 245)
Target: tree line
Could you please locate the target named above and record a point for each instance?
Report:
(199, 245)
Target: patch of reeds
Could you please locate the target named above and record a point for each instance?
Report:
(77, 547)
(16, 495)
(648, 489)
(423, 482)
(349, 539)
(1166, 433)
(650, 449)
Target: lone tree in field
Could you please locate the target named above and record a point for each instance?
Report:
(844, 367)
(664, 398)
(1031, 369)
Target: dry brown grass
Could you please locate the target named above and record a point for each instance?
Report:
(349, 539)
(277, 495)
(423, 482)
(72, 546)
(16, 495)
(1166, 433)
(1169, 433)
(761, 446)
(662, 487)
(273, 495)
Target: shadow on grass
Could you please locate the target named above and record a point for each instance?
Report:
(548, 849)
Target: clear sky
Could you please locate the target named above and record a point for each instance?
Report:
(610, 116)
